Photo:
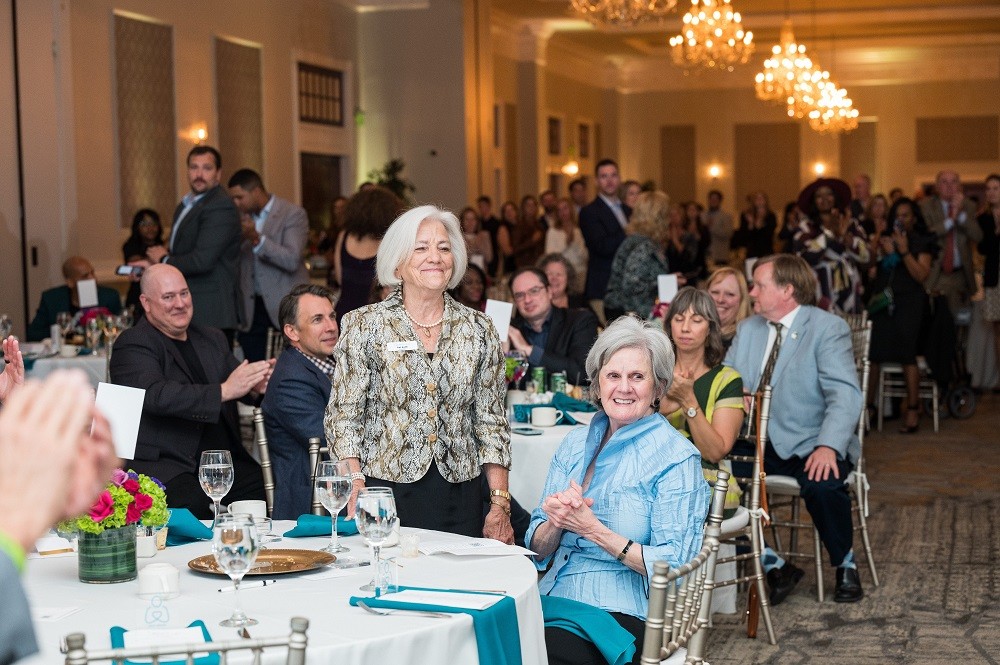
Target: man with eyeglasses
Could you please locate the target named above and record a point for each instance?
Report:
(555, 338)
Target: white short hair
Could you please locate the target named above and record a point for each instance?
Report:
(401, 238)
(628, 332)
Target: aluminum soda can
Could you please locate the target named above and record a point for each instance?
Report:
(557, 382)
(538, 378)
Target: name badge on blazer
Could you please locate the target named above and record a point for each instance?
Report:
(401, 346)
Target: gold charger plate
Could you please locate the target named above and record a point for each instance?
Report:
(270, 562)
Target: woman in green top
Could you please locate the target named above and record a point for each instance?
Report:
(705, 401)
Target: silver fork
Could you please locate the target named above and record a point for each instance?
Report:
(384, 612)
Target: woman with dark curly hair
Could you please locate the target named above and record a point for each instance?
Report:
(367, 217)
(146, 232)
(907, 251)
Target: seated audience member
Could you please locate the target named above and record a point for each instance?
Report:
(555, 338)
(562, 281)
(191, 381)
(728, 289)
(805, 355)
(12, 376)
(44, 433)
(471, 291)
(297, 393)
(65, 298)
(705, 400)
(621, 494)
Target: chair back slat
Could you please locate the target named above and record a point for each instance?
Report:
(260, 438)
(316, 452)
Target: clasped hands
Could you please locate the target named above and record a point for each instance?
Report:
(570, 510)
(247, 377)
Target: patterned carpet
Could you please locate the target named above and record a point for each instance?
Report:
(935, 528)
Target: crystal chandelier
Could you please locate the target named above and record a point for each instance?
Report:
(622, 13)
(788, 67)
(834, 112)
(712, 37)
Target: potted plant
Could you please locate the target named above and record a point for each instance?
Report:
(107, 532)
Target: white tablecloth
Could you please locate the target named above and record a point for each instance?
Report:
(338, 633)
(95, 366)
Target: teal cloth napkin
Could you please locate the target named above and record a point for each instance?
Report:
(561, 401)
(616, 644)
(183, 527)
(319, 525)
(118, 642)
(497, 637)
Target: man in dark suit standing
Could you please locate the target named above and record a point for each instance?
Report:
(602, 223)
(275, 232)
(205, 243)
(298, 392)
(552, 337)
(192, 382)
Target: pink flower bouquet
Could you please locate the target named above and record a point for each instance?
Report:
(130, 498)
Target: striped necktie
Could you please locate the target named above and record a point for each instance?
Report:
(772, 360)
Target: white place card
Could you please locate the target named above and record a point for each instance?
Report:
(143, 638)
(467, 601)
(122, 406)
(500, 313)
(86, 291)
(471, 547)
(666, 287)
(52, 546)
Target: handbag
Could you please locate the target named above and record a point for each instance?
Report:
(884, 299)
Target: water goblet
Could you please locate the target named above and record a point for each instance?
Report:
(216, 476)
(235, 547)
(65, 322)
(333, 487)
(376, 518)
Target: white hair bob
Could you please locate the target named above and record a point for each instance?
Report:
(628, 332)
(398, 243)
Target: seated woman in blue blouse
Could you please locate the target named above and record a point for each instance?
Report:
(620, 495)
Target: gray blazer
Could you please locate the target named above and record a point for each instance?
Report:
(278, 263)
(206, 250)
(815, 398)
(967, 231)
(17, 636)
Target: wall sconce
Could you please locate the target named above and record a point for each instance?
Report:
(819, 168)
(571, 167)
(714, 171)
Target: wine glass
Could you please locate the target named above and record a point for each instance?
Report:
(6, 326)
(376, 518)
(235, 547)
(65, 322)
(216, 475)
(333, 487)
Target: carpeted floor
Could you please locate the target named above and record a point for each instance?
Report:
(935, 526)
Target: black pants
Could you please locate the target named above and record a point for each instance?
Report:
(434, 503)
(565, 648)
(184, 491)
(828, 501)
(254, 341)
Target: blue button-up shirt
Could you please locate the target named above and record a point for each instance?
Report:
(647, 486)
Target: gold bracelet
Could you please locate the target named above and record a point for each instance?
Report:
(501, 493)
(502, 507)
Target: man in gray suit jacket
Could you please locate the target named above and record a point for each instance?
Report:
(952, 218)
(275, 232)
(205, 243)
(44, 433)
(815, 406)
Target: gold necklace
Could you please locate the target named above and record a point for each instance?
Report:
(427, 327)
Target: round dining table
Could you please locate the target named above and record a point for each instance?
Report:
(338, 633)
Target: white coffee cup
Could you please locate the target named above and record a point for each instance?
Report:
(68, 350)
(253, 507)
(159, 579)
(545, 416)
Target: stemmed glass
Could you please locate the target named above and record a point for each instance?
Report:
(216, 475)
(235, 547)
(6, 326)
(333, 487)
(376, 518)
(65, 322)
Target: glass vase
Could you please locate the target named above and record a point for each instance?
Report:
(107, 557)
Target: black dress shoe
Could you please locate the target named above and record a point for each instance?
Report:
(848, 586)
(782, 580)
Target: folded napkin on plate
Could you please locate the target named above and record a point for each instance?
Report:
(319, 525)
(183, 527)
(565, 403)
(616, 644)
(497, 637)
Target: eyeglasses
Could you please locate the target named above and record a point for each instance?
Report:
(534, 291)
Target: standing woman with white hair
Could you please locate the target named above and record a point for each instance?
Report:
(417, 402)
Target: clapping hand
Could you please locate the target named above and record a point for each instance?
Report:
(13, 374)
(246, 377)
(682, 387)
